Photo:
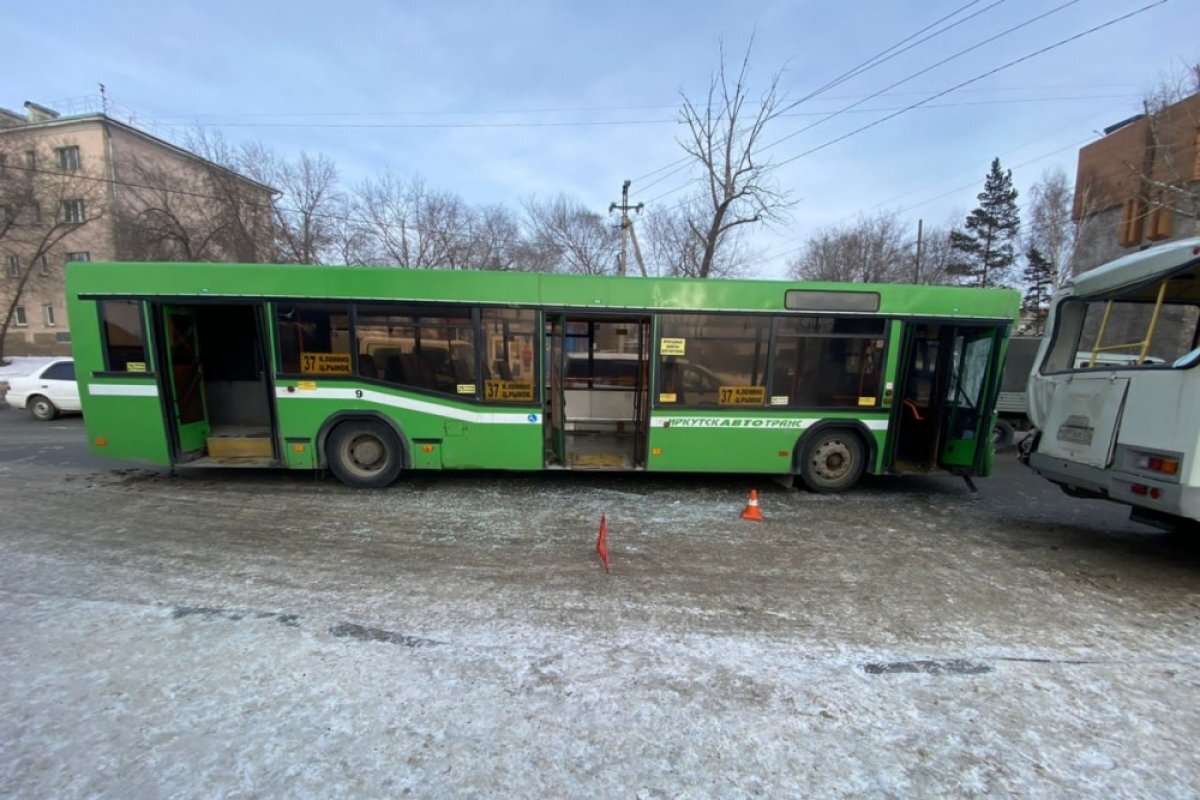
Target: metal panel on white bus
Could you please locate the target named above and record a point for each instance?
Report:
(1082, 422)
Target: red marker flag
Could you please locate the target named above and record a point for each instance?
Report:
(602, 542)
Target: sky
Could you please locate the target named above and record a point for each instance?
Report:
(499, 102)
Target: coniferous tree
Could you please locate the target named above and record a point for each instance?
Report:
(1039, 278)
(983, 254)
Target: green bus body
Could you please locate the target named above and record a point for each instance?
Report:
(137, 412)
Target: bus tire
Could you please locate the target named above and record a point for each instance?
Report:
(1002, 436)
(41, 407)
(833, 460)
(364, 454)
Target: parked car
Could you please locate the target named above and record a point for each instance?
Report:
(51, 389)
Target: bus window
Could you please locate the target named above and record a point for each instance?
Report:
(314, 339)
(826, 362)
(508, 362)
(433, 349)
(714, 360)
(1086, 340)
(124, 342)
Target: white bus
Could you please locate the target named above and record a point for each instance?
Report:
(1114, 393)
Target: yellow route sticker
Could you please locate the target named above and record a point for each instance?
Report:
(508, 391)
(666, 397)
(741, 395)
(325, 363)
(135, 366)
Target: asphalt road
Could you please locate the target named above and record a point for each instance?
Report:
(274, 633)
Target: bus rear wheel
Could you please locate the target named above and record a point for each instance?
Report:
(364, 454)
(833, 461)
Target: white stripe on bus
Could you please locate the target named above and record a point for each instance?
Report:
(123, 390)
(409, 404)
(762, 423)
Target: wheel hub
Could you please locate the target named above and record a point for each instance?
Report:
(367, 452)
(831, 460)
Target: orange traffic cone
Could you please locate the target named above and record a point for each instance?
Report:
(752, 511)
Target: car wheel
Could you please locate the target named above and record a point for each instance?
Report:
(364, 454)
(1002, 436)
(833, 461)
(42, 408)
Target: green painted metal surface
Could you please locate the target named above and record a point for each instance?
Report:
(441, 432)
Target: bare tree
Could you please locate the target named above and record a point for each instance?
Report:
(1051, 232)
(570, 237)
(936, 255)
(725, 138)
(40, 208)
(1170, 184)
(873, 249)
(673, 249)
(179, 207)
(305, 215)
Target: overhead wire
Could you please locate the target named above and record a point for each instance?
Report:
(855, 71)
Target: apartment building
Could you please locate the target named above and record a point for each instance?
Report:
(1139, 185)
(88, 187)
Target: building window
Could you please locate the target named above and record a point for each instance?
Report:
(43, 265)
(30, 159)
(82, 255)
(68, 158)
(73, 211)
(124, 343)
(4, 164)
(1132, 217)
(7, 216)
(14, 267)
(35, 210)
(48, 313)
(19, 317)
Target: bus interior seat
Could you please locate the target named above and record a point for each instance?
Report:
(394, 369)
(366, 366)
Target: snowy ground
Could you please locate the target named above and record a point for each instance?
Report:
(266, 634)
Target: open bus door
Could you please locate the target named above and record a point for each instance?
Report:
(947, 385)
(185, 380)
(556, 399)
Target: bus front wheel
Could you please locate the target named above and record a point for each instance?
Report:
(833, 461)
(364, 454)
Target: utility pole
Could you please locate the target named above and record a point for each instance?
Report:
(917, 272)
(626, 227)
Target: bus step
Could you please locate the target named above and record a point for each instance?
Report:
(224, 446)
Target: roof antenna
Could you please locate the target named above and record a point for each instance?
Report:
(103, 100)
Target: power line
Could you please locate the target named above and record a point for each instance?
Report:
(845, 76)
(900, 82)
(977, 78)
(944, 92)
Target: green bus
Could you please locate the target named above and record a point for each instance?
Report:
(370, 371)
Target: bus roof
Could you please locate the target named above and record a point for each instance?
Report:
(1144, 266)
(301, 282)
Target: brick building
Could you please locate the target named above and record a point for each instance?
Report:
(1139, 185)
(90, 187)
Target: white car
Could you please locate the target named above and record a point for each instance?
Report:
(46, 392)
